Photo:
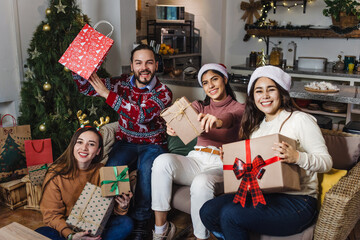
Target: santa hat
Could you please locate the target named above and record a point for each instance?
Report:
(212, 66)
(274, 73)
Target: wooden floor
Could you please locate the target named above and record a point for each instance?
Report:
(33, 220)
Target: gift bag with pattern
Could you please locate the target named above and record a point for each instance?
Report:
(38, 159)
(86, 53)
(91, 211)
(12, 154)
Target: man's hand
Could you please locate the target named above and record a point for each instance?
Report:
(99, 86)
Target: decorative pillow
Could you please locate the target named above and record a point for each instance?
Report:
(175, 145)
(327, 181)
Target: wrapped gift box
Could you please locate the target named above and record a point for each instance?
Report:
(91, 211)
(13, 193)
(182, 117)
(278, 176)
(114, 180)
(37, 173)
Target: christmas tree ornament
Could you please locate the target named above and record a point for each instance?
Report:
(60, 7)
(40, 98)
(66, 69)
(92, 110)
(48, 11)
(47, 86)
(46, 27)
(29, 74)
(34, 54)
(42, 127)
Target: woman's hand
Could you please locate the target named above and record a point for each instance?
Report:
(170, 131)
(84, 236)
(99, 86)
(286, 152)
(209, 121)
(221, 153)
(124, 199)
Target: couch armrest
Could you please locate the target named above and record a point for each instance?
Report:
(341, 208)
(108, 133)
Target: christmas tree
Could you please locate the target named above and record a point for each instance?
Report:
(49, 97)
(9, 152)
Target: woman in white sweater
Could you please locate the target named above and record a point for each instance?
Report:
(269, 109)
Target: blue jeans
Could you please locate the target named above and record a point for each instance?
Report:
(140, 157)
(117, 228)
(283, 215)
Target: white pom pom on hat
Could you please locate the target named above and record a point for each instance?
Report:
(274, 73)
(212, 66)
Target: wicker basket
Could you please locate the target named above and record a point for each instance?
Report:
(347, 21)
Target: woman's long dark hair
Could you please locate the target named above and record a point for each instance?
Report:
(253, 116)
(228, 88)
(66, 165)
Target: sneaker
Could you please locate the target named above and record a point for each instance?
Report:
(168, 235)
(140, 231)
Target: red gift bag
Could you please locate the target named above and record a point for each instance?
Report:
(38, 152)
(86, 53)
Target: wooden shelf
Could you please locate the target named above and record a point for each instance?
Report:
(309, 33)
(324, 113)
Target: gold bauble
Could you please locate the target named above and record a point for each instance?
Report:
(42, 127)
(46, 28)
(66, 69)
(47, 86)
(48, 11)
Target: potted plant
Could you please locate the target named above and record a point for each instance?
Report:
(344, 13)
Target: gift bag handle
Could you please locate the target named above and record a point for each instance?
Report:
(104, 21)
(14, 120)
(41, 149)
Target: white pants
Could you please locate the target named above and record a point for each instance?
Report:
(199, 170)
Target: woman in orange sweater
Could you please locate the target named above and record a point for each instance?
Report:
(64, 181)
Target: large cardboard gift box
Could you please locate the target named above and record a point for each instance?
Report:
(114, 180)
(278, 176)
(91, 211)
(182, 117)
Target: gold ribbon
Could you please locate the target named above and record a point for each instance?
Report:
(251, 8)
(181, 112)
(81, 218)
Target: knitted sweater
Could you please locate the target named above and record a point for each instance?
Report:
(139, 109)
(61, 194)
(230, 112)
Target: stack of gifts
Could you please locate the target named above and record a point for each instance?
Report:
(114, 180)
(182, 117)
(253, 165)
(91, 211)
(38, 159)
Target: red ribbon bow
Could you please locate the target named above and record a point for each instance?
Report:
(249, 173)
(8, 131)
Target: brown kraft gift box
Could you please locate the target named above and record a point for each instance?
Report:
(182, 117)
(278, 176)
(91, 211)
(37, 173)
(108, 178)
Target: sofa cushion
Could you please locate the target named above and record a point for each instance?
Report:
(327, 181)
(175, 145)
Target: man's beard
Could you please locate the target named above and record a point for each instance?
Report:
(146, 81)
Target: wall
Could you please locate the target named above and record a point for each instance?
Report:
(237, 50)
(209, 17)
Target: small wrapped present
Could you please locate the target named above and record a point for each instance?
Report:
(114, 180)
(87, 52)
(182, 117)
(91, 211)
(37, 173)
(252, 165)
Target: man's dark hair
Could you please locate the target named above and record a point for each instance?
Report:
(141, 47)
